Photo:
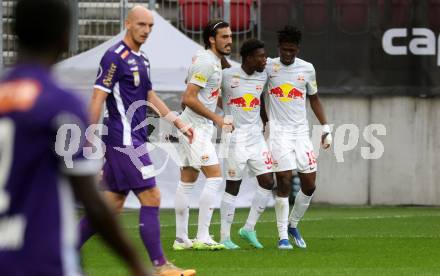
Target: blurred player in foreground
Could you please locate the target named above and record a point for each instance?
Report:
(124, 85)
(291, 80)
(242, 88)
(200, 98)
(37, 231)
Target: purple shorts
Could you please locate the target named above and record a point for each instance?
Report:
(121, 175)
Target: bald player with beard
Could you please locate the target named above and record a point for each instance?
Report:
(124, 81)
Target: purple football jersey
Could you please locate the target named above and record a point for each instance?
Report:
(37, 223)
(125, 75)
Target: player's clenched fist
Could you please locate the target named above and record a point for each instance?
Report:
(225, 123)
(326, 138)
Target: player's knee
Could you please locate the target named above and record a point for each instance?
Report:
(155, 197)
(266, 182)
(212, 171)
(150, 197)
(267, 185)
(232, 187)
(283, 191)
(188, 174)
(155, 200)
(308, 190)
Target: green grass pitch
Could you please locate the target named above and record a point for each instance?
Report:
(341, 241)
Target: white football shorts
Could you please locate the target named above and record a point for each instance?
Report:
(201, 152)
(289, 153)
(253, 154)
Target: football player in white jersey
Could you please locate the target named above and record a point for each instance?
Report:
(241, 91)
(291, 81)
(200, 100)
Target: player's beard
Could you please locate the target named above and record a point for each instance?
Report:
(223, 52)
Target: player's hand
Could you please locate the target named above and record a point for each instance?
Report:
(185, 129)
(189, 133)
(326, 138)
(225, 123)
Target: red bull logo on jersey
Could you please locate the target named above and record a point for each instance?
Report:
(215, 93)
(247, 102)
(205, 158)
(286, 93)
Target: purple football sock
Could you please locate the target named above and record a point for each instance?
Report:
(149, 228)
(85, 231)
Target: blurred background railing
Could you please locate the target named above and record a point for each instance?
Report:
(344, 39)
(95, 21)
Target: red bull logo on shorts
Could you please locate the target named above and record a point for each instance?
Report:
(205, 158)
(286, 92)
(247, 102)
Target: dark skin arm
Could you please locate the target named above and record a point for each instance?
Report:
(105, 223)
(263, 113)
(315, 104)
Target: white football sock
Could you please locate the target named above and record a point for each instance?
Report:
(208, 199)
(181, 203)
(282, 214)
(259, 203)
(302, 203)
(227, 211)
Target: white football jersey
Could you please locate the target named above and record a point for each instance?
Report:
(205, 72)
(285, 96)
(241, 97)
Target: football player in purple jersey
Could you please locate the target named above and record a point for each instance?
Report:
(124, 85)
(37, 217)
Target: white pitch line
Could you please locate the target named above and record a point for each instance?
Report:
(314, 219)
(367, 236)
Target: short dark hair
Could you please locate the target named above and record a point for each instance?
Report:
(41, 25)
(249, 46)
(289, 34)
(211, 28)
